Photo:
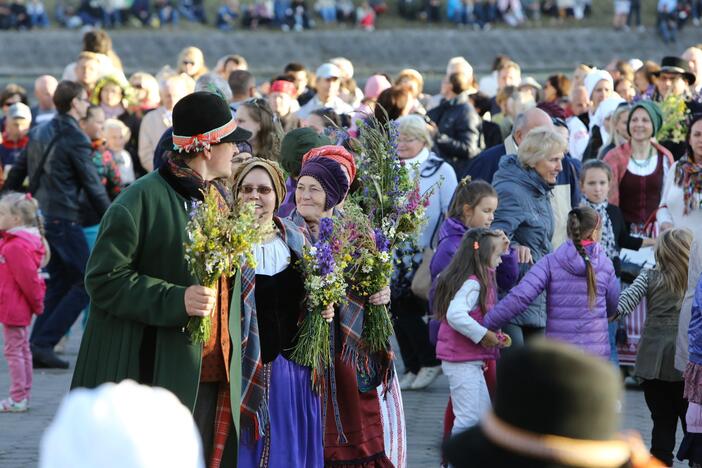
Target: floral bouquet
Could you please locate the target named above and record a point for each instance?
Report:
(323, 266)
(219, 242)
(675, 114)
(395, 209)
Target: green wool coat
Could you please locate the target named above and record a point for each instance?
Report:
(136, 278)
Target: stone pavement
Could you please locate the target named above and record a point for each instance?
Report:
(539, 50)
(20, 433)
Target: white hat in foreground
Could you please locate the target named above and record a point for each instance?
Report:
(123, 425)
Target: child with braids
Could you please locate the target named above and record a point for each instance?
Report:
(664, 288)
(581, 287)
(22, 254)
(465, 291)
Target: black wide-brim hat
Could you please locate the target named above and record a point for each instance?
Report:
(202, 119)
(553, 403)
(679, 66)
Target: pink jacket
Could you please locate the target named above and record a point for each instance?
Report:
(618, 159)
(453, 346)
(21, 288)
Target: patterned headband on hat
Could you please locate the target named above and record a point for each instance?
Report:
(282, 86)
(202, 141)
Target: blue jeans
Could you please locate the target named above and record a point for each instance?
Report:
(613, 355)
(65, 290)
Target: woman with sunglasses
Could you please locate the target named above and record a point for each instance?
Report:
(281, 403)
(257, 117)
(191, 61)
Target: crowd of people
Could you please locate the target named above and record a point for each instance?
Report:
(297, 15)
(535, 189)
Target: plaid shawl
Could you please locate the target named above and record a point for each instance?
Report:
(254, 385)
(688, 176)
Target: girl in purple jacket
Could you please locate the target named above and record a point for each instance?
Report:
(582, 290)
(465, 291)
(21, 291)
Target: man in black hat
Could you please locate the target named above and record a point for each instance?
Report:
(143, 293)
(555, 407)
(674, 78)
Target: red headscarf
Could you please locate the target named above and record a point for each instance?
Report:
(338, 154)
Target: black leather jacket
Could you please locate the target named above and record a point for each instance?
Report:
(68, 170)
(459, 124)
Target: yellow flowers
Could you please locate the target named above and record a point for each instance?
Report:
(675, 115)
(220, 241)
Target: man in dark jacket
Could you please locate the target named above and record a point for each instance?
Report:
(458, 125)
(486, 163)
(57, 162)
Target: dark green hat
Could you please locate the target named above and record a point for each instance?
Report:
(547, 388)
(654, 112)
(296, 144)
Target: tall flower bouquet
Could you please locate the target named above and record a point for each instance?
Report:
(219, 242)
(395, 209)
(323, 266)
(675, 114)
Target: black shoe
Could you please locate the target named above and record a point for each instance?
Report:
(45, 358)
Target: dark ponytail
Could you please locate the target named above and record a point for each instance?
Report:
(582, 222)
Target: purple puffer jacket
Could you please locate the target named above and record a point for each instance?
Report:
(450, 235)
(568, 317)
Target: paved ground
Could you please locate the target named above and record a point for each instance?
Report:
(20, 433)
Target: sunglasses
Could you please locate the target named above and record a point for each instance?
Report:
(188, 62)
(261, 189)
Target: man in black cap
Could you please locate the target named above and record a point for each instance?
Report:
(143, 293)
(555, 407)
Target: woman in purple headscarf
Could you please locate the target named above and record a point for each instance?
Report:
(363, 427)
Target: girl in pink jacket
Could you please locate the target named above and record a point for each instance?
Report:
(22, 290)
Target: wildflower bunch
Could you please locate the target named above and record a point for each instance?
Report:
(219, 242)
(394, 206)
(675, 114)
(323, 266)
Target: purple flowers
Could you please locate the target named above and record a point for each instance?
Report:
(326, 229)
(382, 243)
(325, 258)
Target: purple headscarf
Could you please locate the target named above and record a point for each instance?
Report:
(331, 177)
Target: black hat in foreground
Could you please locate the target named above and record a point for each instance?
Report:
(677, 65)
(555, 407)
(202, 119)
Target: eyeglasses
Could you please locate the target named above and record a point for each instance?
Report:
(405, 141)
(188, 62)
(261, 189)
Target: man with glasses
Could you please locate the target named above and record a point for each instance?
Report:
(57, 163)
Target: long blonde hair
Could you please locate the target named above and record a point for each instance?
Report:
(672, 257)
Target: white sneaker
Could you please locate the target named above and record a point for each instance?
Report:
(407, 380)
(10, 406)
(425, 377)
(60, 347)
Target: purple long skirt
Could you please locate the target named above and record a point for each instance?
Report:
(295, 421)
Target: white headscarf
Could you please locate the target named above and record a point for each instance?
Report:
(594, 77)
(604, 110)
